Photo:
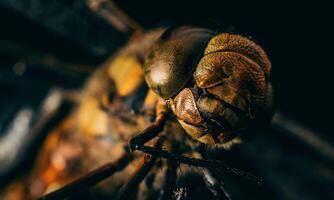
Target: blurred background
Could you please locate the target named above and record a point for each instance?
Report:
(58, 43)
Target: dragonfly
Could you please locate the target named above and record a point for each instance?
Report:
(150, 113)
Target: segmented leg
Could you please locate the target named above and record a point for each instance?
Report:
(214, 164)
(214, 185)
(170, 181)
(130, 186)
(138, 143)
(148, 134)
(88, 180)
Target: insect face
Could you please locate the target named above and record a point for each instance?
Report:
(217, 86)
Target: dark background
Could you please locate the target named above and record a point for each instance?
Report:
(294, 34)
(296, 37)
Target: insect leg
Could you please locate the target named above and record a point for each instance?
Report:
(138, 143)
(148, 134)
(169, 185)
(89, 179)
(214, 164)
(214, 185)
(136, 179)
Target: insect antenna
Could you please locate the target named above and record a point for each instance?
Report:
(89, 179)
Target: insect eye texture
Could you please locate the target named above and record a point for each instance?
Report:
(74, 94)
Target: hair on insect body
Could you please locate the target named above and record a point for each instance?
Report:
(166, 93)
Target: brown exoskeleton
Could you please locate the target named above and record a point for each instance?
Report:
(215, 87)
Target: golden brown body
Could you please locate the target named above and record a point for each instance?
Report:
(97, 130)
(116, 104)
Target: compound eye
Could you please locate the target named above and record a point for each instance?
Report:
(171, 62)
